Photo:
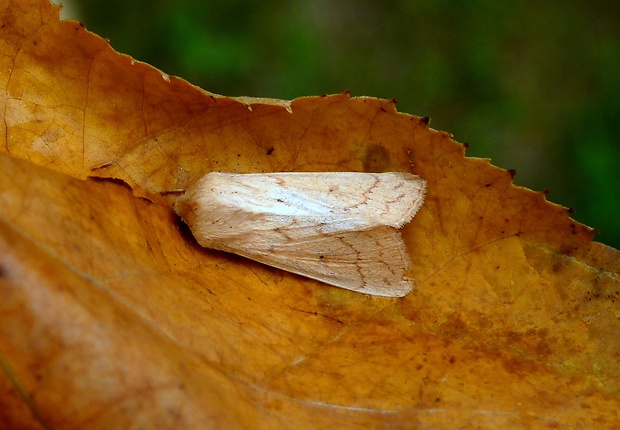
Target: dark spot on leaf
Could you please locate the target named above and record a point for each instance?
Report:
(454, 327)
(377, 159)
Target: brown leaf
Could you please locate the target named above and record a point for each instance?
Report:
(113, 317)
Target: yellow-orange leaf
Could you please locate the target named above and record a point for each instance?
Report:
(111, 316)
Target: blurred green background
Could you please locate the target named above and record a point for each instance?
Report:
(535, 86)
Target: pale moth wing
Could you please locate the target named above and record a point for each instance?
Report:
(341, 228)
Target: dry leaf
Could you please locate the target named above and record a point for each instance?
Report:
(113, 317)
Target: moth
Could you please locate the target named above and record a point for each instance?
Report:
(341, 228)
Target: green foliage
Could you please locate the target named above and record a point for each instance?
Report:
(532, 85)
